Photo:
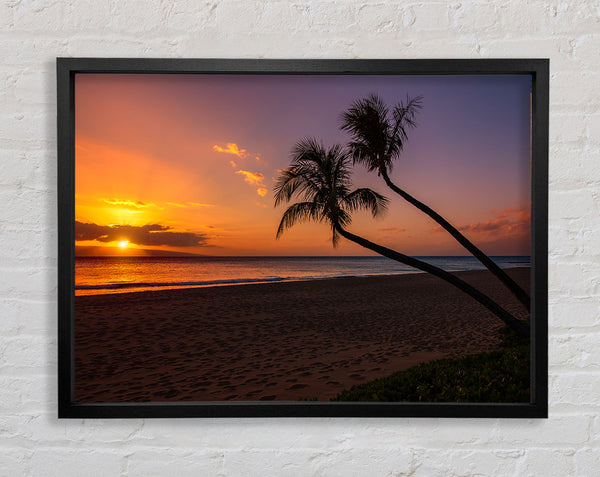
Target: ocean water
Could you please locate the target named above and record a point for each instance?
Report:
(98, 275)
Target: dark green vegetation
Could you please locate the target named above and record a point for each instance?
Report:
(498, 376)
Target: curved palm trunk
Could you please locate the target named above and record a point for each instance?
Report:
(521, 295)
(491, 305)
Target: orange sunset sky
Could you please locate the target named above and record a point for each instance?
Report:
(187, 163)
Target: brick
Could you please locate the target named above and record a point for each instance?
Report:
(334, 16)
(595, 430)
(568, 128)
(585, 50)
(28, 245)
(31, 284)
(585, 95)
(35, 87)
(178, 16)
(28, 169)
(88, 15)
(162, 461)
(587, 461)
(574, 312)
(590, 239)
(121, 47)
(25, 207)
(574, 166)
(576, 279)
(559, 430)
(573, 204)
(64, 462)
(575, 351)
(105, 432)
(42, 15)
(27, 317)
(380, 17)
(576, 388)
(467, 462)
(477, 16)
(547, 462)
(516, 45)
(27, 353)
(564, 240)
(18, 50)
(15, 462)
(23, 395)
(432, 16)
(593, 129)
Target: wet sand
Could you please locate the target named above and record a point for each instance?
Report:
(277, 341)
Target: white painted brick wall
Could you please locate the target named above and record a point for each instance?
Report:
(34, 442)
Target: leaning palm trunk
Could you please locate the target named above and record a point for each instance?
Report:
(521, 295)
(321, 177)
(379, 135)
(491, 305)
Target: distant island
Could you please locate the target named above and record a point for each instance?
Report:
(98, 251)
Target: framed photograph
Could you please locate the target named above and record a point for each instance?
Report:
(333, 238)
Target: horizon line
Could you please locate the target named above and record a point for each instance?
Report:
(192, 255)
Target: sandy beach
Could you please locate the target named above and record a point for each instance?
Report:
(277, 341)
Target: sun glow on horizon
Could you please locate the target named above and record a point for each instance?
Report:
(123, 243)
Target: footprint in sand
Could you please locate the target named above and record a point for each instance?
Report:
(297, 386)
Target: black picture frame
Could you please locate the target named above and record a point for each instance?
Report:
(67, 68)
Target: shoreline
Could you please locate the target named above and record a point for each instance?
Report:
(277, 341)
(250, 281)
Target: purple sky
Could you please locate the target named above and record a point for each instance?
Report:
(468, 158)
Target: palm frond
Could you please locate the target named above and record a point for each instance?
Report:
(302, 177)
(365, 198)
(378, 133)
(404, 114)
(320, 179)
(298, 212)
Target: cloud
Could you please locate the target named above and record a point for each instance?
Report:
(511, 221)
(152, 234)
(189, 204)
(231, 148)
(255, 178)
(252, 177)
(138, 204)
(391, 230)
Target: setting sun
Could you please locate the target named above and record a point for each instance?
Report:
(123, 243)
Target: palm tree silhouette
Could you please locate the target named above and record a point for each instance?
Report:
(320, 178)
(378, 137)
